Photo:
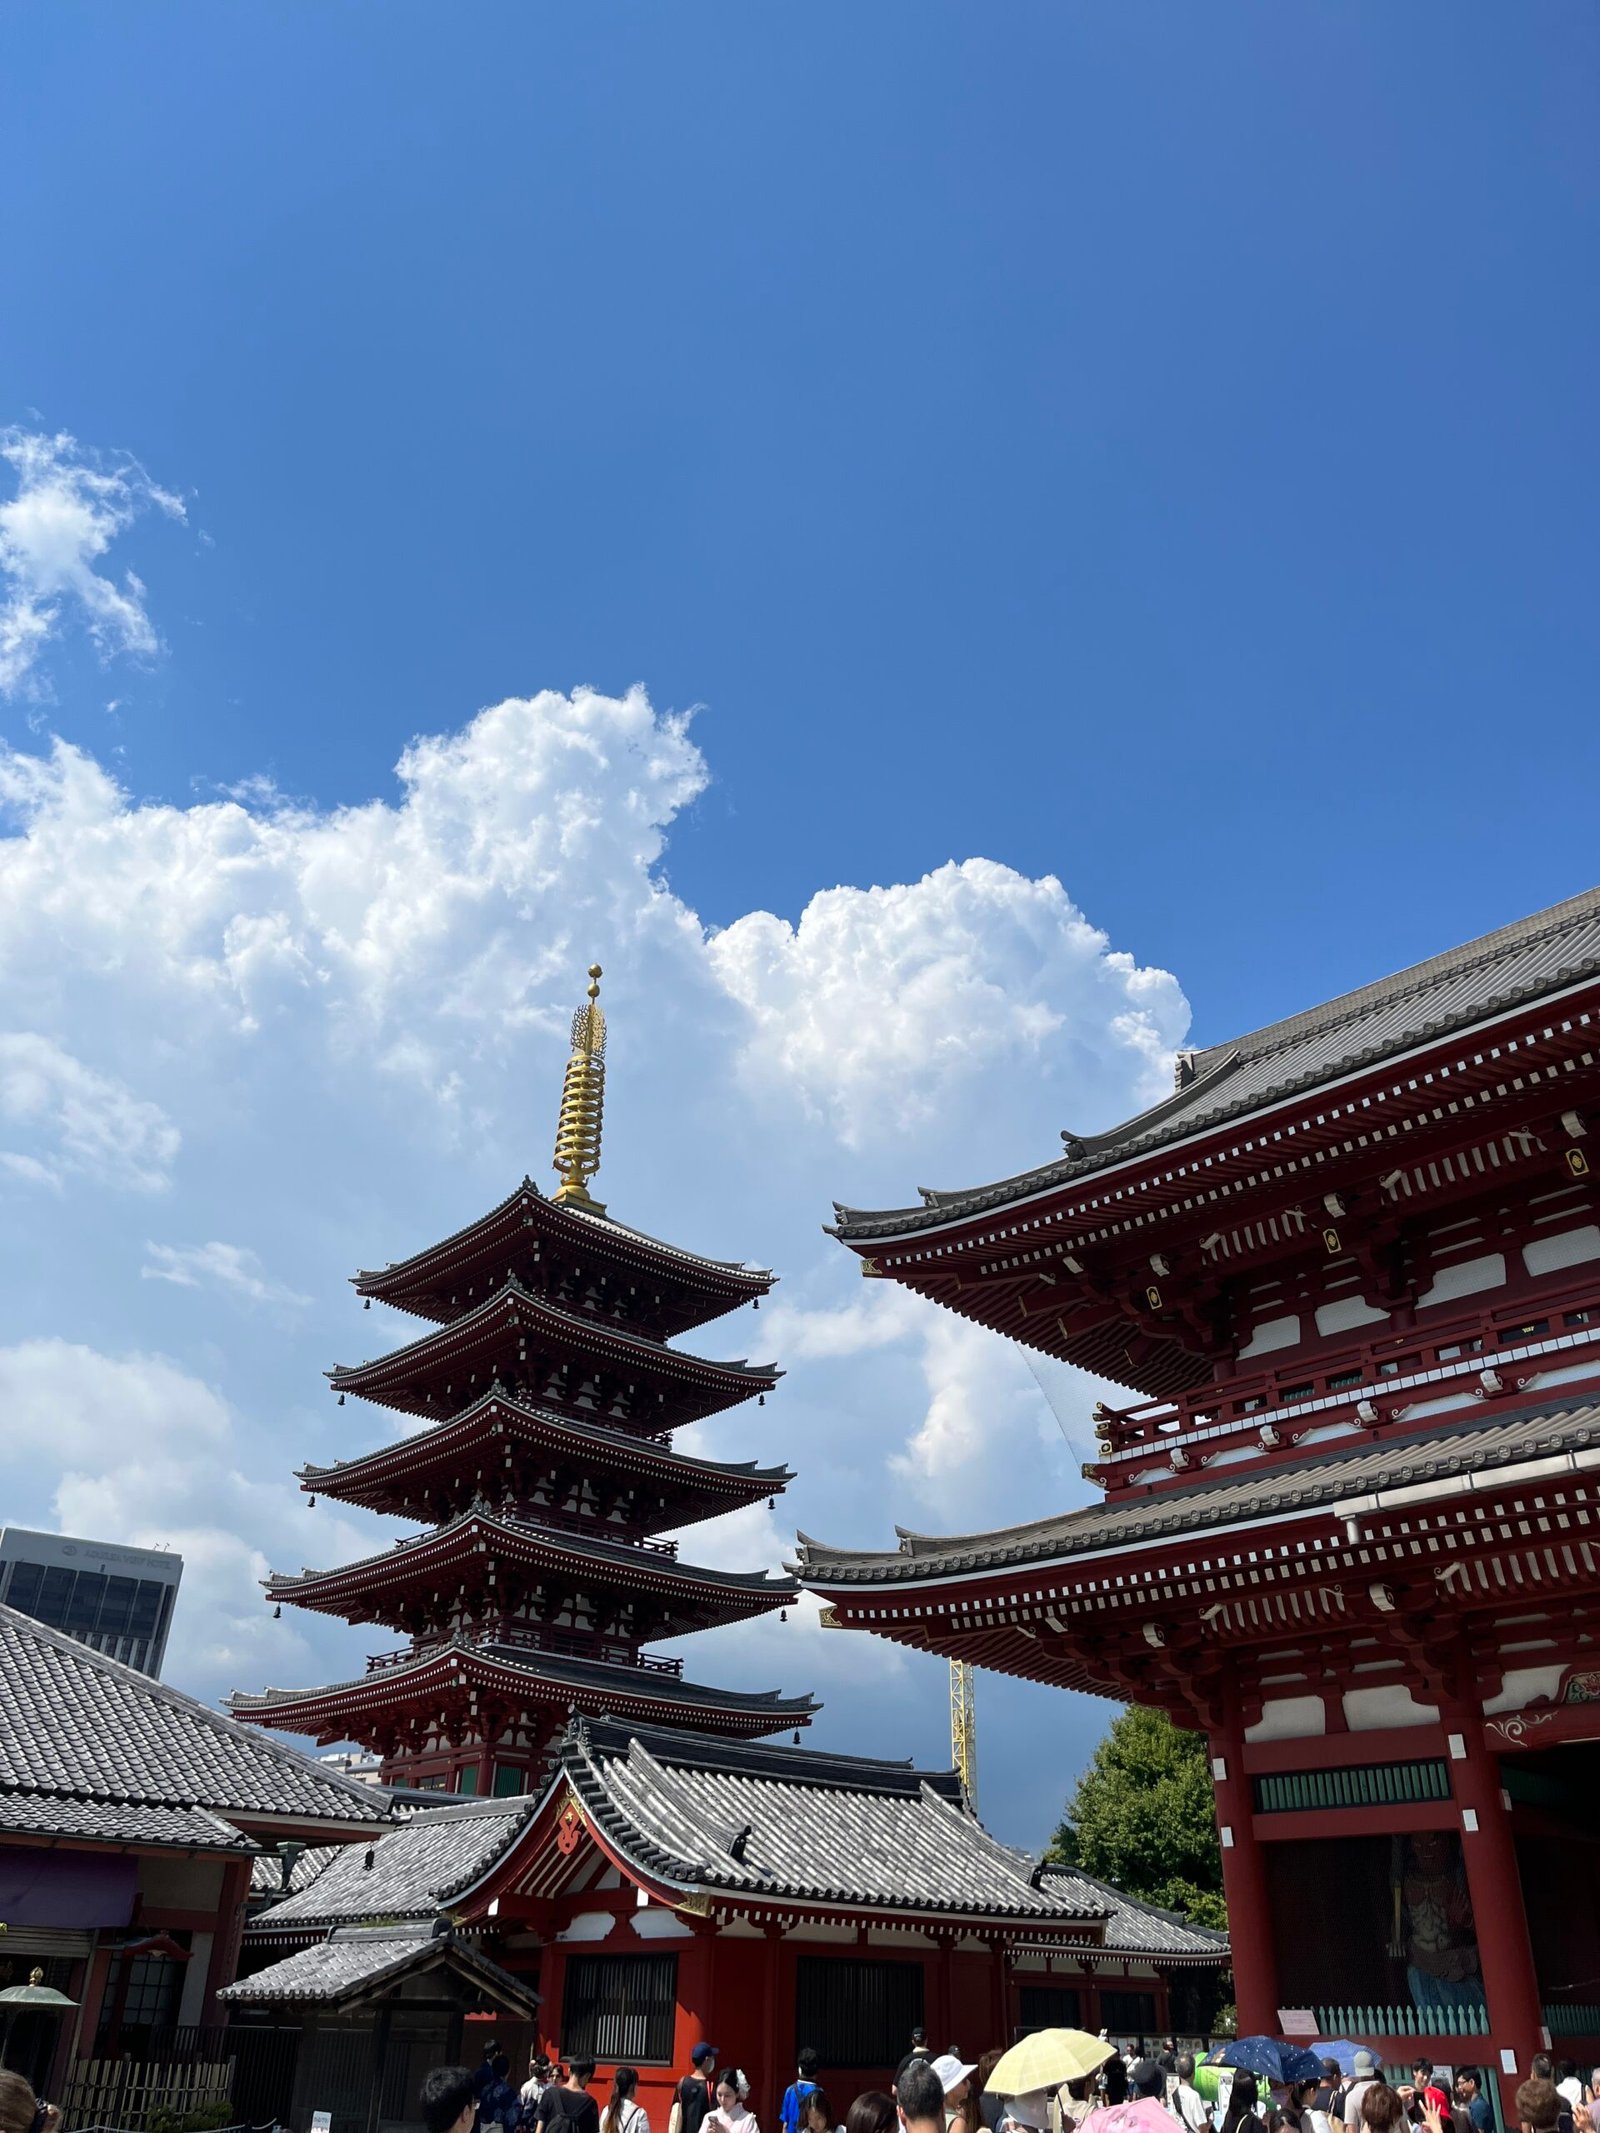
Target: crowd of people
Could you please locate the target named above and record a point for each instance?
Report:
(1137, 2091)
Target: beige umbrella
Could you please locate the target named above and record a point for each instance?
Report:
(1046, 2059)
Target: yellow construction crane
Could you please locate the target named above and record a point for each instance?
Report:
(964, 1728)
(963, 1717)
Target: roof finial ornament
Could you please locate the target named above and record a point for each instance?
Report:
(577, 1155)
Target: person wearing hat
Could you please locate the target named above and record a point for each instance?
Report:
(1365, 2070)
(955, 2078)
(692, 2100)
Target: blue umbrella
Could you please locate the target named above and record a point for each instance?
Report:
(1345, 2052)
(1272, 2058)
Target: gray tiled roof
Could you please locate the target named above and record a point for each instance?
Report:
(560, 1540)
(359, 1962)
(415, 1869)
(86, 1740)
(1135, 1928)
(1521, 962)
(604, 1228)
(597, 1676)
(117, 1822)
(1469, 1448)
(266, 1874)
(794, 1823)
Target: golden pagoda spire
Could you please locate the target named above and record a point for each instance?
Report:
(577, 1155)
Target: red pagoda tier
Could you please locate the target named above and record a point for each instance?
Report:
(547, 1477)
(1351, 1529)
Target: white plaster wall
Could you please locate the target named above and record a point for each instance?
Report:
(1345, 1312)
(1273, 1333)
(1523, 1685)
(1547, 1255)
(1466, 1278)
(192, 2002)
(1290, 1718)
(1369, 1710)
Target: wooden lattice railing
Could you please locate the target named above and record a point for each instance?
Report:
(113, 2092)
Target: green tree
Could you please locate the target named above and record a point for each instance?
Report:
(1141, 1816)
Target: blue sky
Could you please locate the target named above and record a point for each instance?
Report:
(1152, 448)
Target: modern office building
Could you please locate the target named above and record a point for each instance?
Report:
(116, 1600)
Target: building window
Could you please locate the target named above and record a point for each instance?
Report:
(856, 2013)
(508, 1779)
(435, 1781)
(141, 1995)
(1049, 2007)
(1132, 2014)
(467, 1778)
(620, 2009)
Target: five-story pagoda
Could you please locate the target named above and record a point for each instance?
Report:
(545, 1477)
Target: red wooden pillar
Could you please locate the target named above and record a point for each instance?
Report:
(225, 1945)
(552, 1979)
(1499, 1914)
(945, 2022)
(1001, 2028)
(772, 1950)
(1244, 1882)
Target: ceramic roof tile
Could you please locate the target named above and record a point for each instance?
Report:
(360, 1961)
(415, 1869)
(1468, 1449)
(1134, 1928)
(81, 1728)
(1521, 962)
(782, 1822)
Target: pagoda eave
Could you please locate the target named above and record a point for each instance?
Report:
(481, 1553)
(497, 1434)
(366, 1709)
(693, 1290)
(450, 1366)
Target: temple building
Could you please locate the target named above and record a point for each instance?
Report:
(640, 1869)
(1349, 1521)
(542, 1471)
(670, 1887)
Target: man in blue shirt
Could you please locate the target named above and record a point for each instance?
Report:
(798, 2090)
(1470, 2093)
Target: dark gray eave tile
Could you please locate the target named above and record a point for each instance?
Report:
(1154, 1513)
(880, 1836)
(80, 1727)
(1540, 954)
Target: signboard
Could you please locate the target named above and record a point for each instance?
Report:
(1297, 2021)
(322, 2122)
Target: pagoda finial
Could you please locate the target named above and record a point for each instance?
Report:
(577, 1155)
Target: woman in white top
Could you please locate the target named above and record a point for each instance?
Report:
(730, 2115)
(622, 2114)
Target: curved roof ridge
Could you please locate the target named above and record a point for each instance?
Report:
(582, 1425)
(621, 1552)
(738, 1269)
(1412, 978)
(741, 1366)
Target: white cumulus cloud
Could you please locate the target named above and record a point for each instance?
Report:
(68, 508)
(881, 1003)
(233, 1268)
(79, 1121)
(356, 1017)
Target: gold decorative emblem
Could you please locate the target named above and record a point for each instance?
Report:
(569, 1829)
